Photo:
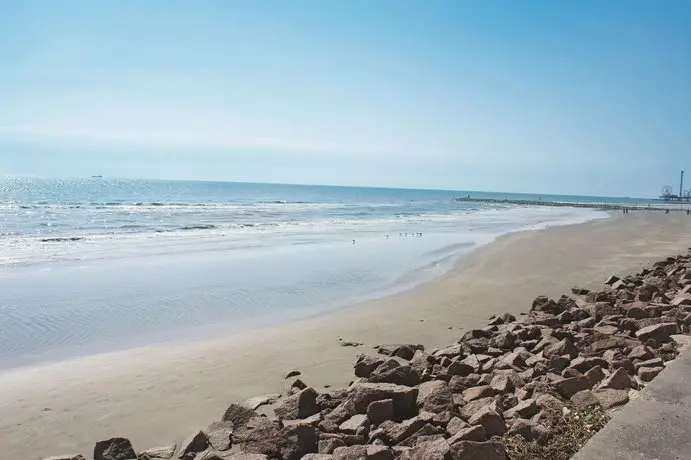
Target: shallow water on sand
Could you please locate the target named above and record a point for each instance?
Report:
(64, 297)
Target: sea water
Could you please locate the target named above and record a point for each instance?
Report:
(91, 265)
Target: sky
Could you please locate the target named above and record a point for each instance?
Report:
(589, 97)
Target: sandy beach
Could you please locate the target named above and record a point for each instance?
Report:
(158, 395)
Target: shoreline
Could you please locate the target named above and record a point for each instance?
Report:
(224, 300)
(192, 382)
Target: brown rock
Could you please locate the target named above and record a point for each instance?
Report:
(114, 449)
(296, 441)
(365, 365)
(548, 401)
(524, 409)
(455, 425)
(380, 411)
(524, 428)
(404, 398)
(490, 420)
(472, 407)
(350, 453)
(461, 369)
(658, 332)
(502, 383)
(641, 352)
(562, 348)
(65, 457)
(351, 425)
(471, 450)
(300, 405)
(427, 430)
(392, 372)
(504, 341)
(238, 414)
(646, 374)
(619, 380)
(189, 448)
(160, 452)
(430, 450)
(318, 457)
(595, 375)
(611, 280)
(569, 387)
(584, 399)
(218, 434)
(472, 433)
(611, 398)
(327, 446)
(479, 392)
(379, 453)
(579, 291)
(398, 432)
(435, 396)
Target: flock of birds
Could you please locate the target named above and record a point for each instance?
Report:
(404, 235)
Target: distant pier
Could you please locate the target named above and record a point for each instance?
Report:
(666, 206)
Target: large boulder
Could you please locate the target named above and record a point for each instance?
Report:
(190, 447)
(238, 414)
(471, 450)
(404, 398)
(569, 387)
(658, 332)
(380, 411)
(258, 436)
(114, 449)
(300, 405)
(490, 420)
(392, 372)
(159, 452)
(296, 441)
(365, 365)
(219, 435)
(435, 396)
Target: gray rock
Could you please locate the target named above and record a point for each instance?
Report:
(569, 387)
(160, 452)
(430, 450)
(299, 406)
(365, 365)
(218, 434)
(193, 445)
(490, 420)
(327, 446)
(114, 449)
(611, 398)
(238, 414)
(352, 425)
(296, 441)
(380, 411)
(524, 409)
(455, 425)
(479, 392)
(646, 374)
(435, 396)
(659, 332)
(619, 380)
(472, 433)
(471, 450)
(404, 398)
(65, 457)
(584, 399)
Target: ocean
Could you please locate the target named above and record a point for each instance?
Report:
(93, 265)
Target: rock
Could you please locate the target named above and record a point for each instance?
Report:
(548, 401)
(472, 433)
(404, 398)
(584, 399)
(502, 384)
(611, 398)
(681, 301)
(318, 457)
(524, 409)
(398, 432)
(490, 420)
(459, 368)
(504, 341)
(527, 429)
(327, 446)
(159, 452)
(658, 332)
(619, 380)
(654, 362)
(300, 405)
(350, 453)
(258, 401)
(479, 392)
(115, 449)
(595, 375)
(579, 291)
(569, 387)
(238, 414)
(259, 435)
(435, 396)
(293, 373)
(646, 374)
(247, 456)
(218, 435)
(380, 411)
(379, 453)
(455, 425)
(472, 407)
(349, 343)
(352, 424)
(427, 430)
(191, 446)
(641, 352)
(293, 386)
(392, 372)
(365, 365)
(471, 450)
(65, 457)
(430, 450)
(296, 441)
(405, 351)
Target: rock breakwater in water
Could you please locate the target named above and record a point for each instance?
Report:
(538, 388)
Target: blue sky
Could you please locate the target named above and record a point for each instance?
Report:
(587, 97)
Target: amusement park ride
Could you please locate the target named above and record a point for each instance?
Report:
(684, 195)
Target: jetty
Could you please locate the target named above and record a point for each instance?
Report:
(646, 206)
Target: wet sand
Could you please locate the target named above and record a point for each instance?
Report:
(158, 395)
